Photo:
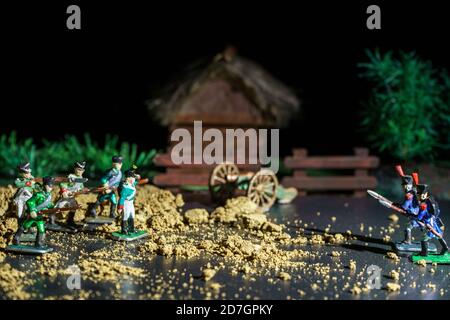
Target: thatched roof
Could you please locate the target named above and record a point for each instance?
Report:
(267, 101)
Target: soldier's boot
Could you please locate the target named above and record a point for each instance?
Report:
(71, 220)
(40, 240)
(131, 228)
(16, 239)
(20, 220)
(112, 211)
(123, 229)
(424, 245)
(444, 246)
(93, 209)
(408, 238)
(52, 219)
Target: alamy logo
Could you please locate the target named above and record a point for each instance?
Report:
(374, 20)
(374, 279)
(74, 20)
(237, 146)
(74, 280)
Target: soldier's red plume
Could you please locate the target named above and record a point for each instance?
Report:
(415, 176)
(399, 170)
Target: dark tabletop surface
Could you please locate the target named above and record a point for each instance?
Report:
(317, 211)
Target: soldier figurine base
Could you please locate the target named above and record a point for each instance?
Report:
(432, 258)
(20, 248)
(99, 220)
(61, 228)
(139, 234)
(28, 237)
(413, 247)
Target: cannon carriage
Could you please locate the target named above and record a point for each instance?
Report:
(260, 187)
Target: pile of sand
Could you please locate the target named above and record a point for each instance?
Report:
(160, 211)
(196, 216)
(245, 213)
(6, 194)
(13, 282)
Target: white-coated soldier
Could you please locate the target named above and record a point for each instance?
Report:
(26, 187)
(126, 202)
(68, 192)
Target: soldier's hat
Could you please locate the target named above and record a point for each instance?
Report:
(117, 159)
(406, 179)
(130, 174)
(24, 167)
(48, 181)
(423, 188)
(80, 165)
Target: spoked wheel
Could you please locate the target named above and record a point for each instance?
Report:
(262, 189)
(223, 182)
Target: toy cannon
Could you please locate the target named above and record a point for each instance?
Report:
(226, 182)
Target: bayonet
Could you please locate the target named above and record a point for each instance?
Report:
(389, 204)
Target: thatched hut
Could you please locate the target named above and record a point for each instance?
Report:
(228, 92)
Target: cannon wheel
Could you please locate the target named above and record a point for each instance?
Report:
(223, 182)
(262, 189)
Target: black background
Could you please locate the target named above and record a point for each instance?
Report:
(96, 79)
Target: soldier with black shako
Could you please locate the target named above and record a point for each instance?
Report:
(26, 187)
(410, 203)
(126, 202)
(429, 215)
(68, 190)
(127, 191)
(110, 182)
(39, 202)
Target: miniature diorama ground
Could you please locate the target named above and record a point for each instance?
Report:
(318, 247)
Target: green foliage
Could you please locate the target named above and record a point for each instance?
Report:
(408, 113)
(12, 152)
(57, 157)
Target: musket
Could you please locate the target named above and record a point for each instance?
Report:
(389, 204)
(377, 196)
(143, 181)
(64, 179)
(77, 193)
(56, 210)
(102, 189)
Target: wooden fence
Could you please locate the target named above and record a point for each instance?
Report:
(358, 182)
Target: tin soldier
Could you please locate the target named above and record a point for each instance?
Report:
(110, 182)
(127, 190)
(429, 215)
(68, 190)
(26, 186)
(40, 201)
(126, 202)
(410, 203)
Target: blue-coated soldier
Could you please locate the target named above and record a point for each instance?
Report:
(110, 182)
(429, 215)
(410, 204)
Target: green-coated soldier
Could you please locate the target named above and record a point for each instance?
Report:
(41, 200)
(110, 182)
